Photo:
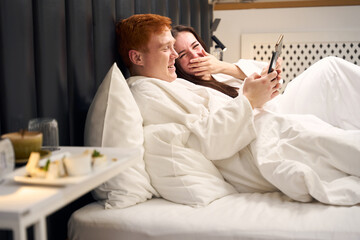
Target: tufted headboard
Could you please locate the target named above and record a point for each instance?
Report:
(55, 53)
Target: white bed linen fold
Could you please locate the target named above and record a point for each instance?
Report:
(305, 157)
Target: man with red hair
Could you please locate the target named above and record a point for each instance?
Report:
(146, 45)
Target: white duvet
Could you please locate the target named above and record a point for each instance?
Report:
(255, 151)
(305, 157)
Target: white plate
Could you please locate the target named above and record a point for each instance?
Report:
(53, 182)
(111, 154)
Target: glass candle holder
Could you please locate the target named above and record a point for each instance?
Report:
(49, 129)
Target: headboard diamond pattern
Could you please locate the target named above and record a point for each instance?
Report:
(300, 51)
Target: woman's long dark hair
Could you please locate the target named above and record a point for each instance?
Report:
(212, 83)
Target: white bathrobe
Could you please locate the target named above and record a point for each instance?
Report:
(261, 150)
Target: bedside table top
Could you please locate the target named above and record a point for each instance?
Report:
(28, 202)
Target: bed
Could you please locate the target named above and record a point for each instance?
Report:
(184, 196)
(236, 216)
(64, 49)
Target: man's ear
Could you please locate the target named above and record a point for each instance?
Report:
(135, 57)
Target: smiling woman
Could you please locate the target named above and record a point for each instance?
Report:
(190, 64)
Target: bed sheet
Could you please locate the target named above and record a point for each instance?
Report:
(237, 216)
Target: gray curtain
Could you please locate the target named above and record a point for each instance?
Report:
(55, 53)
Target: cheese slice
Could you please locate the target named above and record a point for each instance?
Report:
(33, 162)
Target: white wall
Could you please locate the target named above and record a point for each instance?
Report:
(312, 19)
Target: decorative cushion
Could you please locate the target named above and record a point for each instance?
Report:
(114, 120)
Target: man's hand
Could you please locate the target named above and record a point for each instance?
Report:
(277, 69)
(260, 89)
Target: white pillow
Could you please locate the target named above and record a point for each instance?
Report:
(181, 174)
(114, 120)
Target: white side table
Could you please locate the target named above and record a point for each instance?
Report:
(23, 205)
